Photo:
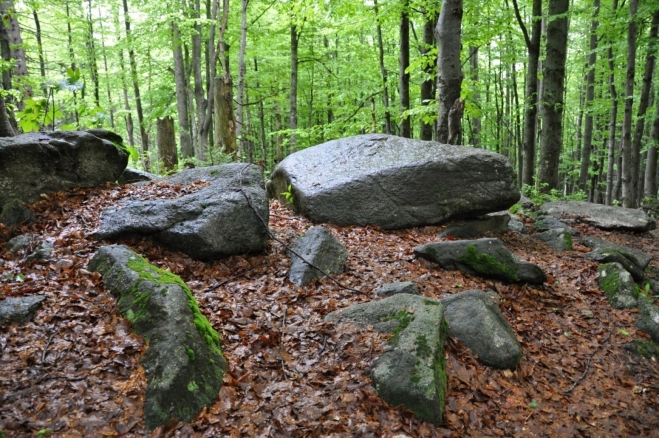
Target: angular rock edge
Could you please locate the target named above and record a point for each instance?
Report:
(320, 248)
(184, 364)
(413, 372)
(487, 257)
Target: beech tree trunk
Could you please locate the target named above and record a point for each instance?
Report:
(608, 198)
(403, 64)
(295, 39)
(449, 70)
(225, 122)
(428, 85)
(650, 186)
(240, 119)
(553, 95)
(627, 160)
(383, 70)
(531, 93)
(187, 150)
(475, 121)
(166, 140)
(107, 74)
(91, 53)
(37, 27)
(590, 96)
(6, 130)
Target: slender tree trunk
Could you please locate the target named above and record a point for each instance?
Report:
(531, 93)
(91, 50)
(187, 150)
(128, 118)
(6, 130)
(403, 64)
(225, 121)
(650, 189)
(279, 153)
(8, 126)
(72, 58)
(608, 200)
(553, 94)
(240, 121)
(642, 108)
(107, 72)
(627, 159)
(165, 138)
(383, 70)
(449, 69)
(37, 27)
(201, 102)
(295, 39)
(136, 88)
(428, 84)
(475, 120)
(590, 97)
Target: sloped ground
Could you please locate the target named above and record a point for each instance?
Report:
(75, 370)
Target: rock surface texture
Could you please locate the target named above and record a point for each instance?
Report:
(15, 213)
(487, 257)
(492, 224)
(184, 365)
(46, 162)
(319, 247)
(633, 260)
(477, 322)
(130, 176)
(601, 216)
(393, 182)
(618, 286)
(413, 372)
(19, 309)
(215, 221)
(403, 287)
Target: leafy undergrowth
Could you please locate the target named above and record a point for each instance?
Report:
(75, 370)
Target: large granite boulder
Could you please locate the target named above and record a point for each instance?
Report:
(215, 221)
(486, 257)
(46, 162)
(393, 182)
(601, 216)
(477, 322)
(412, 372)
(320, 248)
(184, 364)
(633, 260)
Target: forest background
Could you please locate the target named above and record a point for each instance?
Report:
(564, 89)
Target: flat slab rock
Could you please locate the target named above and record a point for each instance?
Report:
(215, 221)
(320, 248)
(413, 372)
(633, 260)
(487, 257)
(393, 182)
(477, 322)
(602, 216)
(492, 224)
(184, 365)
(46, 162)
(19, 309)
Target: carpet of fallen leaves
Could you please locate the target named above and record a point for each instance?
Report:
(74, 370)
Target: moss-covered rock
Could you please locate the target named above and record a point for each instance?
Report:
(643, 348)
(184, 364)
(413, 372)
(618, 286)
(486, 257)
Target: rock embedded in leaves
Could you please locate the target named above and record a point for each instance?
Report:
(319, 247)
(602, 216)
(393, 182)
(20, 242)
(413, 372)
(184, 364)
(477, 322)
(215, 221)
(15, 213)
(19, 309)
(618, 286)
(546, 223)
(648, 319)
(489, 224)
(54, 161)
(403, 287)
(633, 260)
(487, 257)
(43, 251)
(557, 238)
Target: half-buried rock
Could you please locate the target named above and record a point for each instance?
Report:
(486, 257)
(215, 221)
(393, 182)
(413, 372)
(477, 322)
(606, 217)
(184, 365)
(633, 260)
(325, 254)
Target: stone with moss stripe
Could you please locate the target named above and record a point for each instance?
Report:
(486, 257)
(184, 364)
(618, 286)
(413, 372)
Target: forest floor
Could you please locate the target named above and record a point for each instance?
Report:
(74, 370)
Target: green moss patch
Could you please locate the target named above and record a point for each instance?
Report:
(567, 241)
(487, 264)
(404, 319)
(610, 283)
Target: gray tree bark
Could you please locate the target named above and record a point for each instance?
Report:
(627, 160)
(185, 139)
(383, 70)
(166, 140)
(608, 198)
(551, 108)
(650, 186)
(428, 85)
(403, 64)
(449, 69)
(295, 39)
(240, 120)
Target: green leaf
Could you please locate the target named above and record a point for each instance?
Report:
(534, 405)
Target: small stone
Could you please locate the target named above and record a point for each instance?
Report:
(587, 314)
(405, 287)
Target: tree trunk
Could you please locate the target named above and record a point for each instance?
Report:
(403, 64)
(6, 130)
(136, 88)
(627, 160)
(449, 70)
(107, 74)
(531, 93)
(225, 122)
(295, 39)
(37, 26)
(428, 84)
(552, 98)
(166, 139)
(590, 96)
(201, 102)
(12, 48)
(187, 151)
(91, 51)
(475, 121)
(128, 118)
(383, 70)
(240, 120)
(650, 189)
(608, 199)
(642, 108)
